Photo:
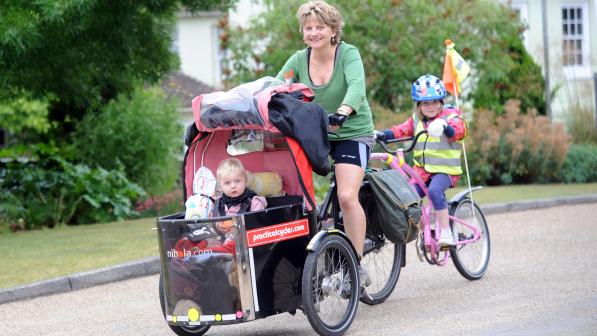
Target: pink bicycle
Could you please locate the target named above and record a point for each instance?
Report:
(467, 222)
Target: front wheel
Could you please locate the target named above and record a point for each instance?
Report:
(384, 262)
(330, 290)
(179, 330)
(471, 259)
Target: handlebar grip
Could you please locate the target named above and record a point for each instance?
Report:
(414, 139)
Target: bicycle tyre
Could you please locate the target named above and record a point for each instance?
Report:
(179, 330)
(471, 260)
(384, 264)
(330, 292)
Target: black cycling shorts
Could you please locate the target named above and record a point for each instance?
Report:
(351, 152)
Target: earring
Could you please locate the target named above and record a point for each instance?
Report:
(334, 41)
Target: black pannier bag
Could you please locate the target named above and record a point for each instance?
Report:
(397, 206)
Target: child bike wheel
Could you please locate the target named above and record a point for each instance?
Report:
(384, 263)
(471, 259)
(179, 330)
(330, 292)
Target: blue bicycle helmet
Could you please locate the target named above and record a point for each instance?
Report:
(428, 87)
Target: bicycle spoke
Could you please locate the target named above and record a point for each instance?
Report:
(471, 259)
(330, 286)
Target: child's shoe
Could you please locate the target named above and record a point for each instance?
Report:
(445, 238)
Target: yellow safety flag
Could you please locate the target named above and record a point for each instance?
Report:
(455, 69)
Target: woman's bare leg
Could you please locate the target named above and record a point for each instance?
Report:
(348, 180)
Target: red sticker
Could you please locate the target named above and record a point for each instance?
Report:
(274, 233)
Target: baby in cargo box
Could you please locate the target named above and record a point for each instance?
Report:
(236, 197)
(221, 237)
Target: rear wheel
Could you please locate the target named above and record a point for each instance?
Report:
(471, 259)
(330, 291)
(383, 262)
(180, 330)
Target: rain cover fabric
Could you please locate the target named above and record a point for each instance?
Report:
(243, 107)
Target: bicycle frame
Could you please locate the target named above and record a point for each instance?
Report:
(398, 163)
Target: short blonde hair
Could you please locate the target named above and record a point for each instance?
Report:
(323, 12)
(231, 166)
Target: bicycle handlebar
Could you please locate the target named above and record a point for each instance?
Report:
(384, 143)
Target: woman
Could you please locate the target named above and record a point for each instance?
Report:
(334, 70)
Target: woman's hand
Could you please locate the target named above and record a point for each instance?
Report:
(336, 120)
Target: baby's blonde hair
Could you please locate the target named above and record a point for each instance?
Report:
(323, 12)
(231, 166)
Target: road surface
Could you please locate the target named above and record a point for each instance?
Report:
(542, 280)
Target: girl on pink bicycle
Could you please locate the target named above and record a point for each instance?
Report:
(437, 153)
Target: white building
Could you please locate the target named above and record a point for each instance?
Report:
(197, 40)
(562, 38)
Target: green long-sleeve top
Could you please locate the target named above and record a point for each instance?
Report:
(346, 87)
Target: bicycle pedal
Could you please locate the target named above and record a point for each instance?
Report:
(363, 293)
(446, 247)
(369, 245)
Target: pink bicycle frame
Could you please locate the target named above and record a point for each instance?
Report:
(398, 163)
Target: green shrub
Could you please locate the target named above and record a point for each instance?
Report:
(581, 164)
(141, 132)
(161, 205)
(581, 124)
(50, 191)
(321, 185)
(522, 81)
(384, 117)
(515, 148)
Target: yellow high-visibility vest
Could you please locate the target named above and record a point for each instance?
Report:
(437, 154)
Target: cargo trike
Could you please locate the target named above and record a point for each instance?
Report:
(292, 255)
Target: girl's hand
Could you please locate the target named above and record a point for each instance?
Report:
(436, 128)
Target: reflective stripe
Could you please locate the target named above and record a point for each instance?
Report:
(445, 154)
(456, 145)
(434, 161)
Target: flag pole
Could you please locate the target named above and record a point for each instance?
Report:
(468, 176)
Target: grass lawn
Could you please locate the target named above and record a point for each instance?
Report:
(44, 254)
(39, 255)
(504, 194)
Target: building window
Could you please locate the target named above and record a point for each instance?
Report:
(575, 47)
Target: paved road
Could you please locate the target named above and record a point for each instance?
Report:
(541, 281)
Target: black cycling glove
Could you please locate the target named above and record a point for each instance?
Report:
(336, 119)
(381, 136)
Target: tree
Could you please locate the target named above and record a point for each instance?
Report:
(72, 55)
(523, 82)
(66, 61)
(398, 41)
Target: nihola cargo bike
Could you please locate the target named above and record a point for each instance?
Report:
(235, 269)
